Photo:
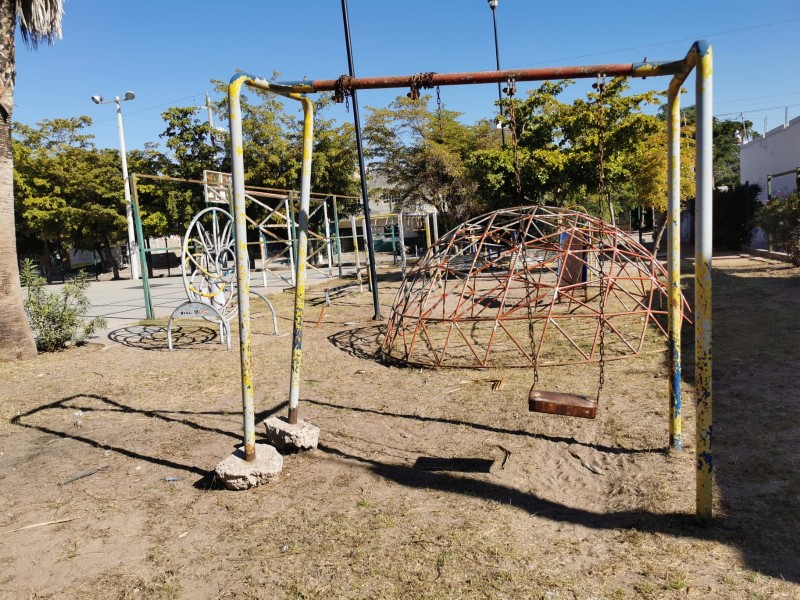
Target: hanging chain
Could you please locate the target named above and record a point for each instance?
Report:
(342, 91)
(523, 249)
(601, 195)
(600, 86)
(418, 82)
(531, 329)
(511, 90)
(601, 267)
(439, 111)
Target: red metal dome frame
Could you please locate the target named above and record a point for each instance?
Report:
(522, 285)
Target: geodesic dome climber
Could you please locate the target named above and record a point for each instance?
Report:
(526, 287)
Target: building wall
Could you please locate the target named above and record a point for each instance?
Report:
(776, 152)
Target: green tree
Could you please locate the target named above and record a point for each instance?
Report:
(727, 144)
(186, 137)
(618, 121)
(535, 122)
(558, 149)
(423, 156)
(335, 158)
(727, 149)
(648, 168)
(70, 193)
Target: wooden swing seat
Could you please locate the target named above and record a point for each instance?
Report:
(558, 403)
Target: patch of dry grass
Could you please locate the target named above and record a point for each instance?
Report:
(580, 509)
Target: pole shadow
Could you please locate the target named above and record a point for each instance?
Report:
(492, 429)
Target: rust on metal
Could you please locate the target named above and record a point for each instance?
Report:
(469, 302)
(345, 85)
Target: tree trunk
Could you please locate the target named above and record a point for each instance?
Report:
(44, 261)
(659, 231)
(110, 260)
(16, 339)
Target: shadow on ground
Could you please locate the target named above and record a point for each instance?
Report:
(154, 337)
(364, 343)
(756, 378)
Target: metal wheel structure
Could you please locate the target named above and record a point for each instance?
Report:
(522, 287)
(208, 264)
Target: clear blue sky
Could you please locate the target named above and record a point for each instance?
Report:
(167, 51)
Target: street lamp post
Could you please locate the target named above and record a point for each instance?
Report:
(133, 254)
(493, 6)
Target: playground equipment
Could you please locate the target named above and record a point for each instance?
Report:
(521, 287)
(272, 222)
(273, 214)
(208, 274)
(527, 287)
(699, 59)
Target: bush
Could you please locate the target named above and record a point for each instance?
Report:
(57, 318)
(780, 219)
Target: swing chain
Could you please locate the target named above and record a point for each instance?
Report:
(342, 91)
(511, 90)
(420, 81)
(531, 328)
(439, 111)
(601, 194)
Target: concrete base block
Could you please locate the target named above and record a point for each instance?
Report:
(238, 474)
(282, 435)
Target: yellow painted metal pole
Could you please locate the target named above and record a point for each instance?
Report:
(674, 261)
(702, 315)
(242, 263)
(302, 252)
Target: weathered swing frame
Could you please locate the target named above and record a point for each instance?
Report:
(699, 59)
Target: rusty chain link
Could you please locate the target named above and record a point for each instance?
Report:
(601, 195)
(511, 90)
(418, 82)
(343, 89)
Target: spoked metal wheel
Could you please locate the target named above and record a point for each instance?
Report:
(208, 261)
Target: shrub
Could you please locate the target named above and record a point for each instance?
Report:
(780, 219)
(57, 318)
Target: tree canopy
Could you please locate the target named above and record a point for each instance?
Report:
(69, 193)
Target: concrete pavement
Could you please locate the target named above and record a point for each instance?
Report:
(121, 302)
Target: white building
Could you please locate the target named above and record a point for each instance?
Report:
(772, 161)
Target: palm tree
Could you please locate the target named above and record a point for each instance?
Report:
(39, 21)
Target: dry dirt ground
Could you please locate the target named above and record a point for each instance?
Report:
(388, 507)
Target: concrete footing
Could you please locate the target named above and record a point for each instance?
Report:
(238, 474)
(282, 435)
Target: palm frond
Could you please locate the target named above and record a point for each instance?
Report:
(40, 20)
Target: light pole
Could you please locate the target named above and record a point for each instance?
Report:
(211, 127)
(493, 6)
(370, 245)
(133, 253)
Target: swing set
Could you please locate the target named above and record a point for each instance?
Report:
(699, 59)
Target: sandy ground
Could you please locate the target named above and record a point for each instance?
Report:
(427, 484)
